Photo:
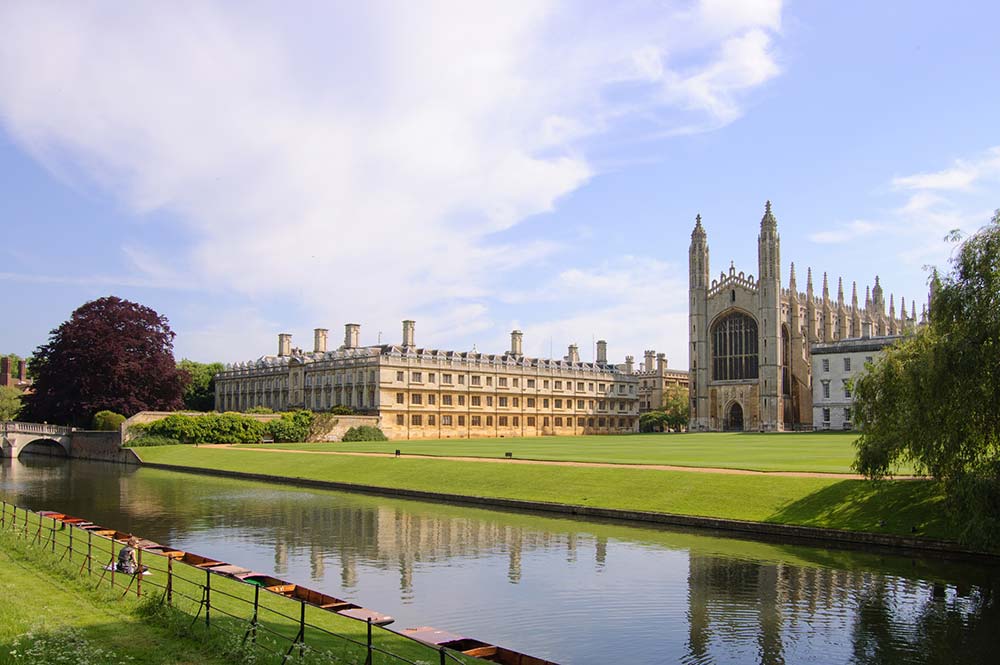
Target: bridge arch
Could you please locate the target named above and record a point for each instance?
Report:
(44, 446)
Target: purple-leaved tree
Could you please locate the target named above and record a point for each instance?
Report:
(112, 354)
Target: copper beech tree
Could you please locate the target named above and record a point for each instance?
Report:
(113, 355)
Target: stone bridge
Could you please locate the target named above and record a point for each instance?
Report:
(38, 438)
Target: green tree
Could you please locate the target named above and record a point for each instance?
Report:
(10, 402)
(199, 395)
(676, 405)
(934, 399)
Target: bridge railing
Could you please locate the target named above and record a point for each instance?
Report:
(263, 623)
(18, 427)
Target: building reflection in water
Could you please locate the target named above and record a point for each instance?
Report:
(776, 605)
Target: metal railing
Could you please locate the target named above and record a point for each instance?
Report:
(270, 624)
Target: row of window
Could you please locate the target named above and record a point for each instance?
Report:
(846, 387)
(503, 381)
(504, 402)
(417, 419)
(847, 363)
(826, 415)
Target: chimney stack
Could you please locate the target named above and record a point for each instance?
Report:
(516, 339)
(661, 363)
(5, 371)
(408, 329)
(573, 354)
(602, 352)
(284, 344)
(319, 340)
(649, 355)
(352, 335)
(629, 364)
(22, 370)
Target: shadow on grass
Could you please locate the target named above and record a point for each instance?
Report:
(905, 508)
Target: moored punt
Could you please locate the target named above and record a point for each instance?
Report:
(230, 570)
(320, 600)
(473, 647)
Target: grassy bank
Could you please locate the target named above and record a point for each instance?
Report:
(893, 507)
(58, 607)
(48, 615)
(822, 452)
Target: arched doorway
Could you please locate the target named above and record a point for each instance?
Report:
(734, 418)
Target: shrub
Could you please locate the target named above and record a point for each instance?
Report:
(364, 433)
(291, 427)
(208, 428)
(147, 440)
(259, 409)
(108, 421)
(342, 410)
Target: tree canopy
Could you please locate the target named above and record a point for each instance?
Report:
(111, 354)
(10, 402)
(934, 398)
(199, 395)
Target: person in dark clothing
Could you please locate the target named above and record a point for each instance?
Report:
(128, 561)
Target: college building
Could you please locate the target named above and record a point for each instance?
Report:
(835, 366)
(751, 338)
(429, 393)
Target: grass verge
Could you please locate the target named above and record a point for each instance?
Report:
(59, 608)
(821, 452)
(890, 507)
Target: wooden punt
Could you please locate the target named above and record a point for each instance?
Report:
(195, 560)
(320, 600)
(473, 647)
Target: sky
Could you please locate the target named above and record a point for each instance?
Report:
(246, 170)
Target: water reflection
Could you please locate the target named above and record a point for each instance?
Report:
(570, 590)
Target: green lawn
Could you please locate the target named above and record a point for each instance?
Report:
(824, 502)
(824, 452)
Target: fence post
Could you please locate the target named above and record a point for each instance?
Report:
(53, 535)
(13, 517)
(302, 628)
(138, 574)
(441, 653)
(3, 516)
(256, 608)
(70, 550)
(208, 598)
(368, 658)
(90, 551)
(170, 580)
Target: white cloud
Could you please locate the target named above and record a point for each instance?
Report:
(845, 233)
(357, 157)
(962, 176)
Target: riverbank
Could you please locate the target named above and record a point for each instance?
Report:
(891, 513)
(49, 616)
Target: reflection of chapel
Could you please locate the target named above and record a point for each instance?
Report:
(750, 338)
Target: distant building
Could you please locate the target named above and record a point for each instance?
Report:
(19, 380)
(750, 337)
(430, 393)
(655, 380)
(834, 366)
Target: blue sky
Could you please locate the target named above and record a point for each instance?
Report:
(247, 171)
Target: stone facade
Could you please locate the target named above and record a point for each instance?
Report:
(429, 393)
(655, 380)
(834, 366)
(750, 338)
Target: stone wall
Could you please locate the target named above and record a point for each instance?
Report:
(337, 425)
(102, 446)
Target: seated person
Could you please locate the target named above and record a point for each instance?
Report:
(128, 562)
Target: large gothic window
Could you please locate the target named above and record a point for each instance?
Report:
(734, 348)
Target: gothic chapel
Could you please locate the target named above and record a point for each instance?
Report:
(750, 338)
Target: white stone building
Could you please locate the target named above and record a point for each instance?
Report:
(834, 367)
(431, 393)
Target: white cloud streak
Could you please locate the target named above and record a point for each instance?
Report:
(358, 156)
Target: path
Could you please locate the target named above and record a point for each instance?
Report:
(599, 465)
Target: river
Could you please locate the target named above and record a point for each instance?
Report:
(570, 590)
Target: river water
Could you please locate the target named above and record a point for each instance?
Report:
(570, 590)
